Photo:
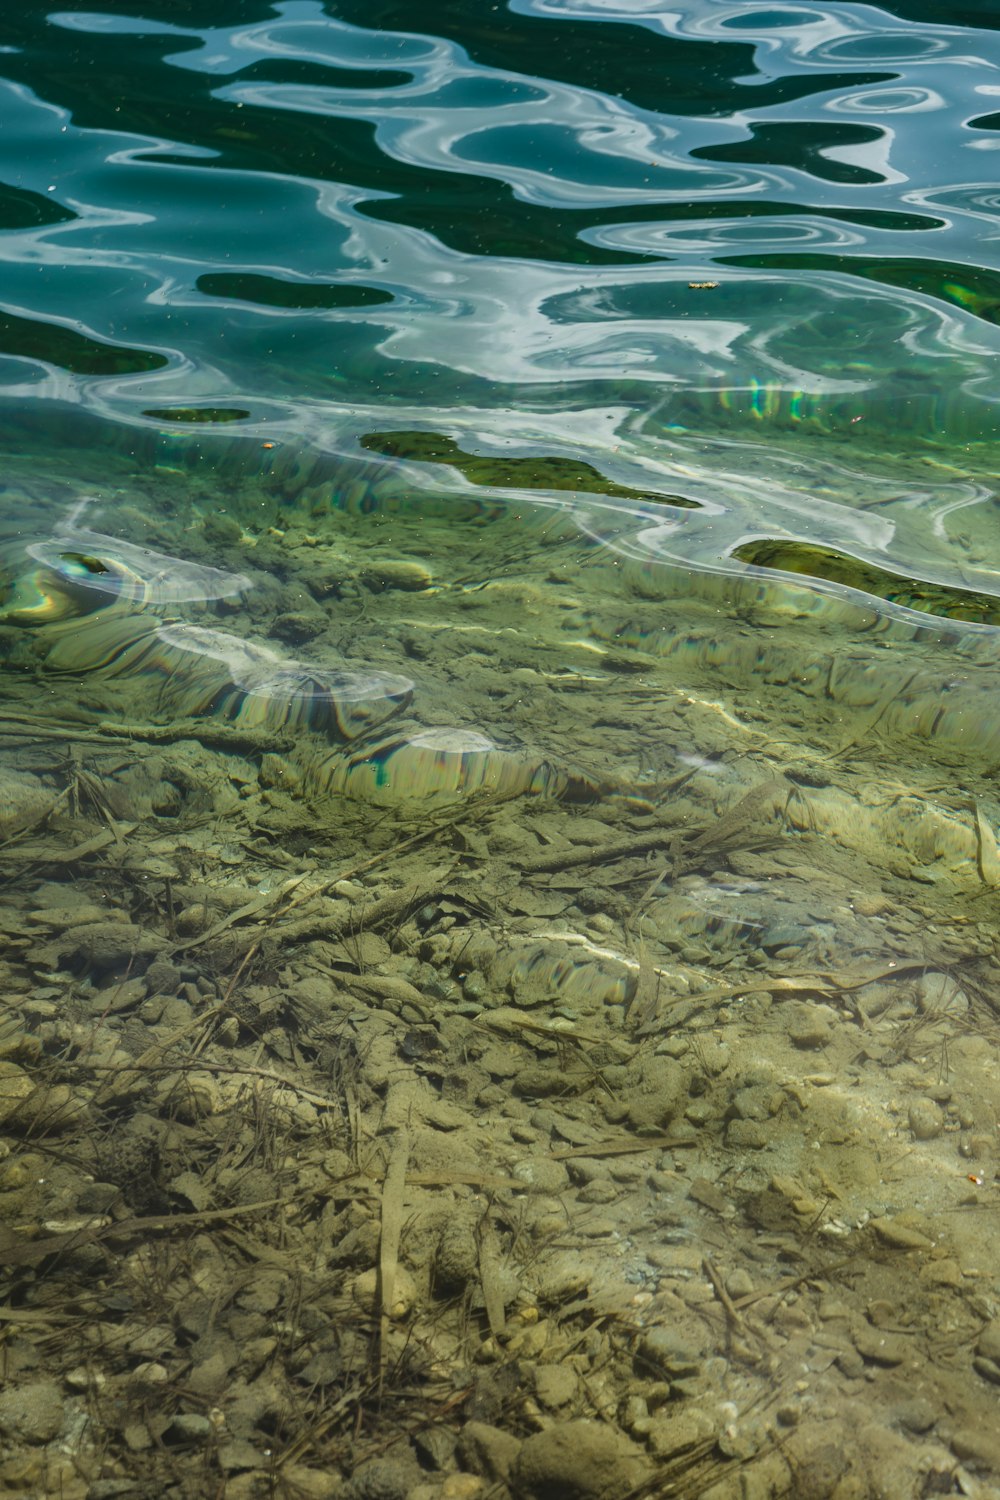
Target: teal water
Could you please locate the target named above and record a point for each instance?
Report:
(317, 228)
(590, 405)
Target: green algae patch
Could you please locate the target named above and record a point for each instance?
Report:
(273, 291)
(897, 588)
(545, 472)
(197, 414)
(57, 345)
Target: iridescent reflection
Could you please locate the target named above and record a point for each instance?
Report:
(211, 671)
(440, 762)
(80, 571)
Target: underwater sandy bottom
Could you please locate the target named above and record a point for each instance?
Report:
(610, 1110)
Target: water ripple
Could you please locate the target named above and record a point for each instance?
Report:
(587, 228)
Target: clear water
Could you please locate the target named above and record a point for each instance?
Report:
(586, 401)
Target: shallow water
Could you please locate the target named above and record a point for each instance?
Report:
(585, 410)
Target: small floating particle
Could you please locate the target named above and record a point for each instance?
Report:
(702, 286)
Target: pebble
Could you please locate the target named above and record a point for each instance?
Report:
(456, 1260)
(977, 1446)
(541, 1174)
(926, 1119)
(739, 1283)
(488, 1450)
(988, 1343)
(238, 1454)
(880, 1347)
(364, 1289)
(397, 573)
(901, 1236)
(577, 1461)
(106, 945)
(666, 1436)
(598, 1192)
(916, 1414)
(708, 1195)
(49, 1109)
(15, 1087)
(555, 1385)
(461, 1487)
(116, 997)
(658, 1094)
(664, 1349)
(598, 1229)
(190, 1427)
(747, 1135)
(31, 1412)
(809, 1028)
(193, 1098)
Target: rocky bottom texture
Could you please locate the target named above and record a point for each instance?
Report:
(480, 1152)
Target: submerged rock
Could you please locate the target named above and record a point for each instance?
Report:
(582, 1460)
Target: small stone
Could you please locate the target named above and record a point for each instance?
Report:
(117, 997)
(900, 1235)
(989, 1369)
(850, 1363)
(80, 1379)
(162, 977)
(747, 1135)
(97, 1197)
(32, 1412)
(15, 1087)
(364, 1290)
(945, 1272)
(658, 1094)
(488, 1450)
(397, 573)
(976, 1446)
(302, 1482)
(192, 920)
(988, 1343)
(456, 1260)
(916, 1414)
(191, 1098)
(708, 1195)
(577, 1461)
(50, 1109)
(880, 1347)
(562, 1279)
(667, 1436)
(555, 1386)
(926, 1119)
(635, 1414)
(299, 625)
(190, 1427)
(809, 1028)
(389, 1478)
(666, 1351)
(461, 1487)
(739, 1283)
(237, 1455)
(541, 1174)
